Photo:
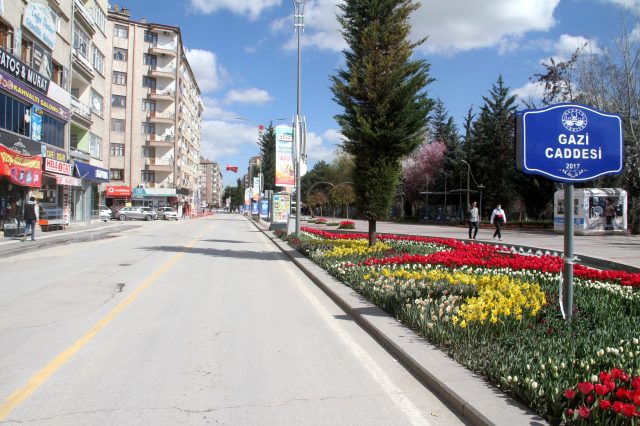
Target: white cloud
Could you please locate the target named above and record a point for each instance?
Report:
(227, 138)
(629, 4)
(213, 110)
(249, 8)
(498, 23)
(209, 75)
(482, 25)
(248, 96)
(567, 45)
(531, 92)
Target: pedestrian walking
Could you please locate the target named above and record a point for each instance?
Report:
(473, 220)
(498, 218)
(31, 218)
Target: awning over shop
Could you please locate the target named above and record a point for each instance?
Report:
(153, 192)
(89, 172)
(24, 170)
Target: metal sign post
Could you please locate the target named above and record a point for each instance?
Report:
(569, 143)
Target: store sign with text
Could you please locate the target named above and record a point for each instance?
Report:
(118, 191)
(285, 175)
(24, 170)
(56, 166)
(569, 143)
(16, 88)
(68, 181)
(18, 69)
(42, 22)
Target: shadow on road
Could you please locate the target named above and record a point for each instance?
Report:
(226, 241)
(238, 254)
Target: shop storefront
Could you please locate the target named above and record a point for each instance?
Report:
(153, 197)
(57, 184)
(20, 177)
(85, 200)
(117, 196)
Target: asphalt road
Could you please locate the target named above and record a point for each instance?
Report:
(189, 322)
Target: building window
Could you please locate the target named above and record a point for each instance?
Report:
(148, 176)
(116, 174)
(99, 17)
(118, 101)
(148, 82)
(6, 37)
(150, 37)
(97, 103)
(14, 115)
(52, 131)
(117, 150)
(118, 77)
(26, 52)
(121, 31)
(148, 128)
(117, 125)
(98, 60)
(95, 146)
(151, 60)
(148, 105)
(119, 54)
(81, 42)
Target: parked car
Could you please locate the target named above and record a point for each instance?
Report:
(167, 213)
(127, 213)
(151, 211)
(105, 213)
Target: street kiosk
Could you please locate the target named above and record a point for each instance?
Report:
(595, 210)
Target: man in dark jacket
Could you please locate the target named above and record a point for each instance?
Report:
(31, 218)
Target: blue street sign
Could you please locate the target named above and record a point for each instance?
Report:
(569, 143)
(264, 208)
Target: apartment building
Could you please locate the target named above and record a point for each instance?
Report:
(211, 188)
(155, 114)
(35, 73)
(88, 133)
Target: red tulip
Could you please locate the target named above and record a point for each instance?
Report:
(584, 412)
(601, 390)
(604, 404)
(569, 394)
(585, 387)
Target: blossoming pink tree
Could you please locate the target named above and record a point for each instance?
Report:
(420, 168)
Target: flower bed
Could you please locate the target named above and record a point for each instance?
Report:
(498, 313)
(347, 224)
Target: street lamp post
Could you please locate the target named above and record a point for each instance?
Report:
(298, 23)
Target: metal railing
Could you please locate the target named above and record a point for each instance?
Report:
(80, 108)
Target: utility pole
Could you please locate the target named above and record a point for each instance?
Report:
(298, 18)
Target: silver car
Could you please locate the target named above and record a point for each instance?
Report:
(127, 213)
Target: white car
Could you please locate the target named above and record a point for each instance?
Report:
(167, 213)
(105, 214)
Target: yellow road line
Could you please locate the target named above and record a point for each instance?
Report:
(43, 375)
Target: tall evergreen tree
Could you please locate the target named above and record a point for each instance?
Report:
(443, 129)
(490, 147)
(267, 144)
(382, 91)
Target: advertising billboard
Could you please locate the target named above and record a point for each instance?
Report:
(285, 172)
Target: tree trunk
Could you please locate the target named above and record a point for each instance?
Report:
(347, 210)
(372, 232)
(635, 224)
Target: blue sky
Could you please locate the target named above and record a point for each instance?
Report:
(244, 55)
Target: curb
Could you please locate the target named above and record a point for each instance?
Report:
(474, 398)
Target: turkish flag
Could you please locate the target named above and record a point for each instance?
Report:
(234, 169)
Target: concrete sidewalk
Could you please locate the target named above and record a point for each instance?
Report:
(96, 230)
(620, 252)
(472, 396)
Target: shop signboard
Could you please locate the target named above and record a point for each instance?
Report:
(264, 208)
(36, 123)
(20, 144)
(54, 153)
(118, 192)
(254, 207)
(68, 181)
(42, 22)
(23, 72)
(281, 208)
(24, 170)
(58, 167)
(569, 143)
(285, 175)
(13, 86)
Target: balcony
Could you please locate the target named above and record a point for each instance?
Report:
(164, 49)
(163, 72)
(80, 111)
(85, 16)
(160, 141)
(162, 95)
(83, 64)
(158, 165)
(161, 117)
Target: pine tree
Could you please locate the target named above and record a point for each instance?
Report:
(490, 147)
(382, 91)
(267, 144)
